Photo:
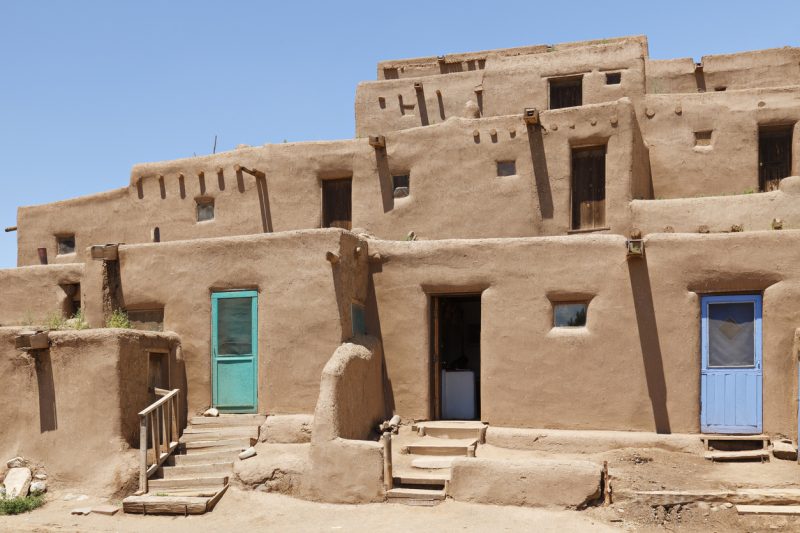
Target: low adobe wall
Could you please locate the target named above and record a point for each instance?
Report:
(346, 468)
(74, 407)
(32, 294)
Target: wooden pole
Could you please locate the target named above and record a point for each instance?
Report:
(388, 480)
(143, 454)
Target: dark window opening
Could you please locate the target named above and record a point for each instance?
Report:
(337, 203)
(400, 186)
(720, 88)
(205, 209)
(506, 168)
(147, 319)
(588, 187)
(613, 78)
(66, 244)
(156, 234)
(702, 138)
(774, 156)
(390, 73)
(566, 92)
(72, 302)
(569, 315)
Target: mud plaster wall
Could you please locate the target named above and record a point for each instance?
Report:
(32, 294)
(636, 366)
(346, 468)
(301, 316)
(87, 388)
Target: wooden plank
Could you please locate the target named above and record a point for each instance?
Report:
(769, 509)
(142, 454)
(741, 496)
(181, 505)
(213, 501)
(150, 408)
(738, 455)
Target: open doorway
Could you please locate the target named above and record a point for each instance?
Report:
(456, 356)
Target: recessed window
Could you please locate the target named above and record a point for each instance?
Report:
(702, 138)
(566, 92)
(569, 315)
(720, 88)
(588, 187)
(613, 78)
(506, 168)
(400, 186)
(337, 203)
(205, 209)
(774, 156)
(147, 319)
(66, 244)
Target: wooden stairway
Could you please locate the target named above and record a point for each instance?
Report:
(193, 481)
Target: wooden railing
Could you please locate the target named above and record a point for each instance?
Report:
(158, 434)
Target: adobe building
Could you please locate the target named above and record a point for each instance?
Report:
(561, 237)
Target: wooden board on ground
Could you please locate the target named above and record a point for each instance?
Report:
(769, 509)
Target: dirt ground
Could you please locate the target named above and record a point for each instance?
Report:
(631, 469)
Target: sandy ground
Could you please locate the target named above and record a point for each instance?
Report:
(258, 511)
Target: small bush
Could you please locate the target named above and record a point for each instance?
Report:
(118, 319)
(55, 321)
(20, 505)
(78, 321)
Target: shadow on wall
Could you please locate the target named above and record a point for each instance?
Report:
(649, 342)
(540, 173)
(374, 329)
(385, 178)
(48, 413)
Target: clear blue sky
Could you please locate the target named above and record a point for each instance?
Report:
(88, 88)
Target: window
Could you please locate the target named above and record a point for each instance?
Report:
(566, 92)
(569, 315)
(400, 186)
(702, 138)
(588, 187)
(65, 244)
(613, 78)
(336, 203)
(506, 168)
(774, 156)
(205, 209)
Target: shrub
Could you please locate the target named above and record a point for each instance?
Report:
(24, 504)
(78, 321)
(118, 319)
(55, 321)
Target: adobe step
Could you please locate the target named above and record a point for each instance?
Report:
(452, 429)
(403, 493)
(210, 455)
(422, 478)
(183, 471)
(746, 455)
(217, 443)
(177, 505)
(435, 446)
(228, 420)
(156, 485)
(194, 434)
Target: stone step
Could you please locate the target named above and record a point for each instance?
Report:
(155, 485)
(177, 505)
(415, 494)
(210, 455)
(452, 429)
(432, 462)
(440, 478)
(194, 434)
(745, 455)
(434, 446)
(182, 471)
(243, 442)
(228, 420)
(204, 492)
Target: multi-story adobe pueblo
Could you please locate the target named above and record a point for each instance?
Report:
(564, 237)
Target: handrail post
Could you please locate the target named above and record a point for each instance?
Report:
(142, 454)
(388, 480)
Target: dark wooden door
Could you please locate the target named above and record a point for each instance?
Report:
(589, 188)
(337, 203)
(774, 157)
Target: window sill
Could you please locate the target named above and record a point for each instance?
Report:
(588, 230)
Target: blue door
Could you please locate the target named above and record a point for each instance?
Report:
(731, 370)
(234, 351)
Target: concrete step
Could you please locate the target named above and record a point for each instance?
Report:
(746, 455)
(243, 442)
(198, 434)
(432, 462)
(452, 429)
(210, 455)
(228, 420)
(156, 485)
(435, 446)
(200, 469)
(415, 494)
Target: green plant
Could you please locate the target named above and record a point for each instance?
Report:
(161, 494)
(78, 321)
(24, 504)
(55, 321)
(118, 319)
(749, 191)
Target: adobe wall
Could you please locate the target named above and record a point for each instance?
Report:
(636, 366)
(508, 84)
(303, 305)
(87, 388)
(730, 164)
(32, 294)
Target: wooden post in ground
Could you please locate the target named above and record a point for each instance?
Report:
(388, 480)
(143, 454)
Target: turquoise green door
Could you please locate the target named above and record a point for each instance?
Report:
(234, 351)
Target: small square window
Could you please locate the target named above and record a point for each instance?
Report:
(205, 209)
(569, 315)
(66, 244)
(566, 92)
(400, 186)
(702, 138)
(506, 168)
(613, 78)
